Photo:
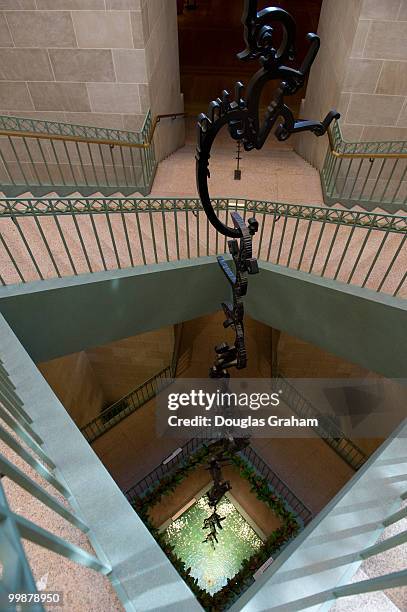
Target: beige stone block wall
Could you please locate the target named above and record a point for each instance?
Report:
(299, 359)
(361, 71)
(160, 32)
(74, 383)
(96, 62)
(88, 381)
(337, 29)
(123, 365)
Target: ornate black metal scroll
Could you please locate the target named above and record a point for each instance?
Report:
(242, 118)
(245, 263)
(242, 114)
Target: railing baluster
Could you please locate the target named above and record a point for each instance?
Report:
(345, 250)
(27, 435)
(140, 236)
(29, 485)
(176, 228)
(27, 246)
(32, 461)
(143, 170)
(293, 242)
(217, 233)
(103, 165)
(332, 183)
(153, 235)
(197, 232)
(379, 250)
(124, 166)
(81, 164)
(111, 148)
(165, 231)
(365, 182)
(272, 234)
(97, 241)
(356, 178)
(67, 251)
(81, 242)
(304, 243)
(69, 162)
(388, 180)
(360, 253)
(280, 246)
(107, 214)
(331, 246)
(12, 258)
(403, 176)
(92, 163)
(394, 259)
(45, 162)
(207, 236)
(47, 246)
(401, 283)
(58, 163)
(27, 182)
(226, 223)
(377, 179)
(187, 230)
(346, 175)
(12, 181)
(321, 231)
(127, 239)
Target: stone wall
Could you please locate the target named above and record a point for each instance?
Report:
(73, 381)
(96, 62)
(299, 359)
(160, 32)
(361, 70)
(88, 381)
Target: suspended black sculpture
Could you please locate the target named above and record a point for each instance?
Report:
(241, 116)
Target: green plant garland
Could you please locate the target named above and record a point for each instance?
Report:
(244, 577)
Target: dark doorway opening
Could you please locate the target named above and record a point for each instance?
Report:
(211, 34)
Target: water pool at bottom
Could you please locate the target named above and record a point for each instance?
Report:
(212, 566)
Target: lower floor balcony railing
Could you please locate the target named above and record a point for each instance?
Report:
(53, 237)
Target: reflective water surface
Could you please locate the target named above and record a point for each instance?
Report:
(212, 566)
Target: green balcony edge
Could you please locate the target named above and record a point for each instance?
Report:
(56, 317)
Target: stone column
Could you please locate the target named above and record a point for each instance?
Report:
(361, 70)
(95, 62)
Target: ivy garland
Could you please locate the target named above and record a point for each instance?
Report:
(244, 577)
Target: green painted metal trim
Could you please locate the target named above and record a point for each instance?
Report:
(39, 126)
(360, 325)
(343, 146)
(21, 207)
(105, 306)
(357, 324)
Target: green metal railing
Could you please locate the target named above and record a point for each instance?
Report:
(179, 457)
(369, 174)
(47, 156)
(136, 398)
(54, 237)
(19, 436)
(327, 429)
